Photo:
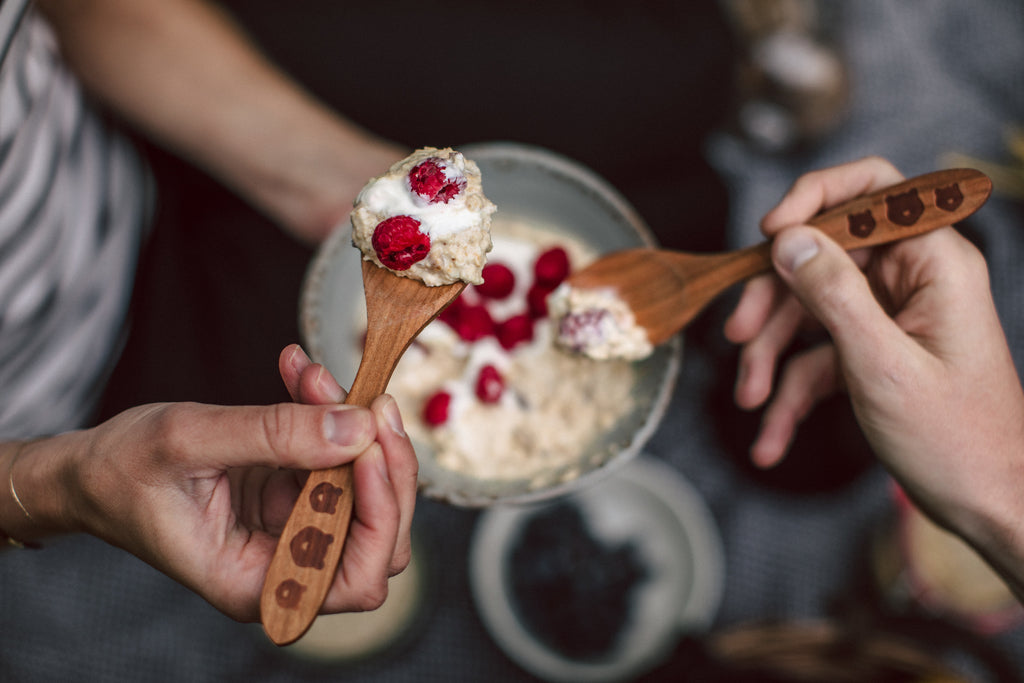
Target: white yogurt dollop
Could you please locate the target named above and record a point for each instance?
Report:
(458, 230)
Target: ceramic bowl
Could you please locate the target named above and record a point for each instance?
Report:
(533, 185)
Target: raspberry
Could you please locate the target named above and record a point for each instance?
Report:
(537, 301)
(435, 410)
(399, 242)
(498, 281)
(429, 180)
(452, 311)
(582, 330)
(517, 329)
(472, 323)
(552, 267)
(489, 384)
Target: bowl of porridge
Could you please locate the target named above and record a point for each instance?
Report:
(497, 410)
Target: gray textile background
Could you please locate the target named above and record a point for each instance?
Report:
(929, 76)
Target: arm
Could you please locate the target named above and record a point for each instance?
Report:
(918, 345)
(183, 73)
(202, 492)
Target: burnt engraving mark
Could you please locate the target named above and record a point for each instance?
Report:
(861, 224)
(324, 498)
(949, 198)
(905, 208)
(289, 594)
(309, 547)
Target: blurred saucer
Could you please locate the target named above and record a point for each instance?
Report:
(645, 512)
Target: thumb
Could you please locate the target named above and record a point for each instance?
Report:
(284, 435)
(834, 290)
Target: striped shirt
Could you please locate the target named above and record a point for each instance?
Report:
(74, 202)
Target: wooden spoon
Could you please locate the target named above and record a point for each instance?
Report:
(310, 546)
(667, 289)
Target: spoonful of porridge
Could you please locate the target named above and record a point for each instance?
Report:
(626, 303)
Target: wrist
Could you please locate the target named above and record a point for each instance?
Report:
(35, 499)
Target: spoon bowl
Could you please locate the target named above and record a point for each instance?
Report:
(302, 569)
(667, 289)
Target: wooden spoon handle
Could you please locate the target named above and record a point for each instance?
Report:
(913, 207)
(302, 569)
(909, 208)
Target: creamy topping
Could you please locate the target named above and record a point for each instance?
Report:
(597, 323)
(451, 235)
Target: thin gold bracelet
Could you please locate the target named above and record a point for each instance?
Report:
(14, 494)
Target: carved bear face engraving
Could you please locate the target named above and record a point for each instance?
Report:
(905, 208)
(861, 224)
(289, 593)
(324, 498)
(309, 547)
(949, 198)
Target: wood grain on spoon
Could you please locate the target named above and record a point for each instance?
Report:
(667, 289)
(303, 567)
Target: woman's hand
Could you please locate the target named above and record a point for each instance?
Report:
(202, 492)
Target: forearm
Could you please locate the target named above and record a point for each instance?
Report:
(182, 72)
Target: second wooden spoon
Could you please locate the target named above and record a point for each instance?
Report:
(667, 289)
(309, 549)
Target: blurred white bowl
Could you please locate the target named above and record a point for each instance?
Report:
(533, 185)
(646, 505)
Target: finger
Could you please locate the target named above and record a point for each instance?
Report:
(837, 293)
(283, 435)
(290, 363)
(752, 310)
(822, 189)
(362, 580)
(317, 386)
(759, 357)
(403, 469)
(807, 379)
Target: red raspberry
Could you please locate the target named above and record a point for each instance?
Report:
(399, 242)
(473, 323)
(435, 410)
(452, 311)
(581, 330)
(489, 384)
(517, 329)
(552, 267)
(428, 180)
(498, 281)
(537, 301)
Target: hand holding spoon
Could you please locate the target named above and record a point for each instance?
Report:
(666, 289)
(310, 546)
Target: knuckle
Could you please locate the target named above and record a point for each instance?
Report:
(279, 427)
(400, 561)
(173, 425)
(372, 596)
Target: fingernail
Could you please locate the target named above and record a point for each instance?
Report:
(298, 359)
(795, 249)
(327, 384)
(347, 426)
(394, 417)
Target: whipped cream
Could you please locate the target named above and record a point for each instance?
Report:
(454, 232)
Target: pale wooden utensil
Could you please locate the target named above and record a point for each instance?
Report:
(310, 546)
(667, 289)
